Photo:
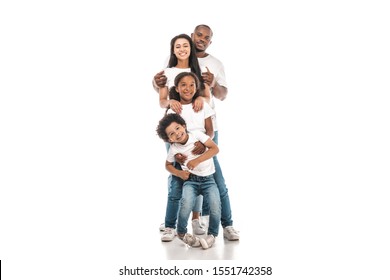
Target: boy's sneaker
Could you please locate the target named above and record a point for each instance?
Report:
(168, 234)
(162, 227)
(208, 241)
(230, 233)
(197, 228)
(191, 240)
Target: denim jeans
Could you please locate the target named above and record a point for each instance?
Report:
(192, 188)
(226, 214)
(175, 186)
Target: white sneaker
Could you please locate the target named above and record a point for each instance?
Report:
(197, 228)
(230, 233)
(208, 241)
(191, 240)
(168, 234)
(162, 227)
(205, 221)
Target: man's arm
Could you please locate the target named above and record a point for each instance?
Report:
(219, 91)
(159, 81)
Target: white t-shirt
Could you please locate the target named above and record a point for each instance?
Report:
(213, 64)
(206, 167)
(195, 120)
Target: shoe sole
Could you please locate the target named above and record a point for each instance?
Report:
(166, 240)
(232, 239)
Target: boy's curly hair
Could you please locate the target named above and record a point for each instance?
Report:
(165, 122)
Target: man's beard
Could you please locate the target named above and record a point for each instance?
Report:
(198, 50)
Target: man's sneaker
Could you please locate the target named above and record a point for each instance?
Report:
(162, 227)
(197, 227)
(208, 241)
(230, 233)
(191, 240)
(168, 234)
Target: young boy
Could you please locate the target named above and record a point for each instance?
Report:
(197, 173)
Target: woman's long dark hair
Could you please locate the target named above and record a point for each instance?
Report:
(193, 59)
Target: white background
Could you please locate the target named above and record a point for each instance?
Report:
(304, 133)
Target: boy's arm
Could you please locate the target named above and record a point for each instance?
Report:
(183, 174)
(210, 152)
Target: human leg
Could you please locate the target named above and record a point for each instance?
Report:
(187, 201)
(211, 193)
(174, 196)
(197, 227)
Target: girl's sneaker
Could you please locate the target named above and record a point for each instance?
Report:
(191, 240)
(208, 241)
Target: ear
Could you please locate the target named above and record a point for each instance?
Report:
(176, 90)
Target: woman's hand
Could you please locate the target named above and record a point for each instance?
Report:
(175, 106)
(198, 104)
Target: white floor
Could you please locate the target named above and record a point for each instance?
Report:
(221, 250)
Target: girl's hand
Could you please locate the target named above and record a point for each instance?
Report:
(198, 104)
(175, 106)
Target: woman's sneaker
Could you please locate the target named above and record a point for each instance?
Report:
(208, 241)
(197, 228)
(230, 233)
(168, 234)
(191, 240)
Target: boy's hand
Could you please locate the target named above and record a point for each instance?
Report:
(180, 158)
(192, 164)
(184, 174)
(199, 148)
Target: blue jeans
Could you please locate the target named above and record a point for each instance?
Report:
(226, 214)
(192, 188)
(175, 186)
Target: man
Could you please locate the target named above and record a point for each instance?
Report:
(215, 78)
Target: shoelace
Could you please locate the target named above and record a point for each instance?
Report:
(232, 230)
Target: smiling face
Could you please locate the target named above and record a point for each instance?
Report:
(182, 49)
(202, 38)
(186, 89)
(176, 133)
